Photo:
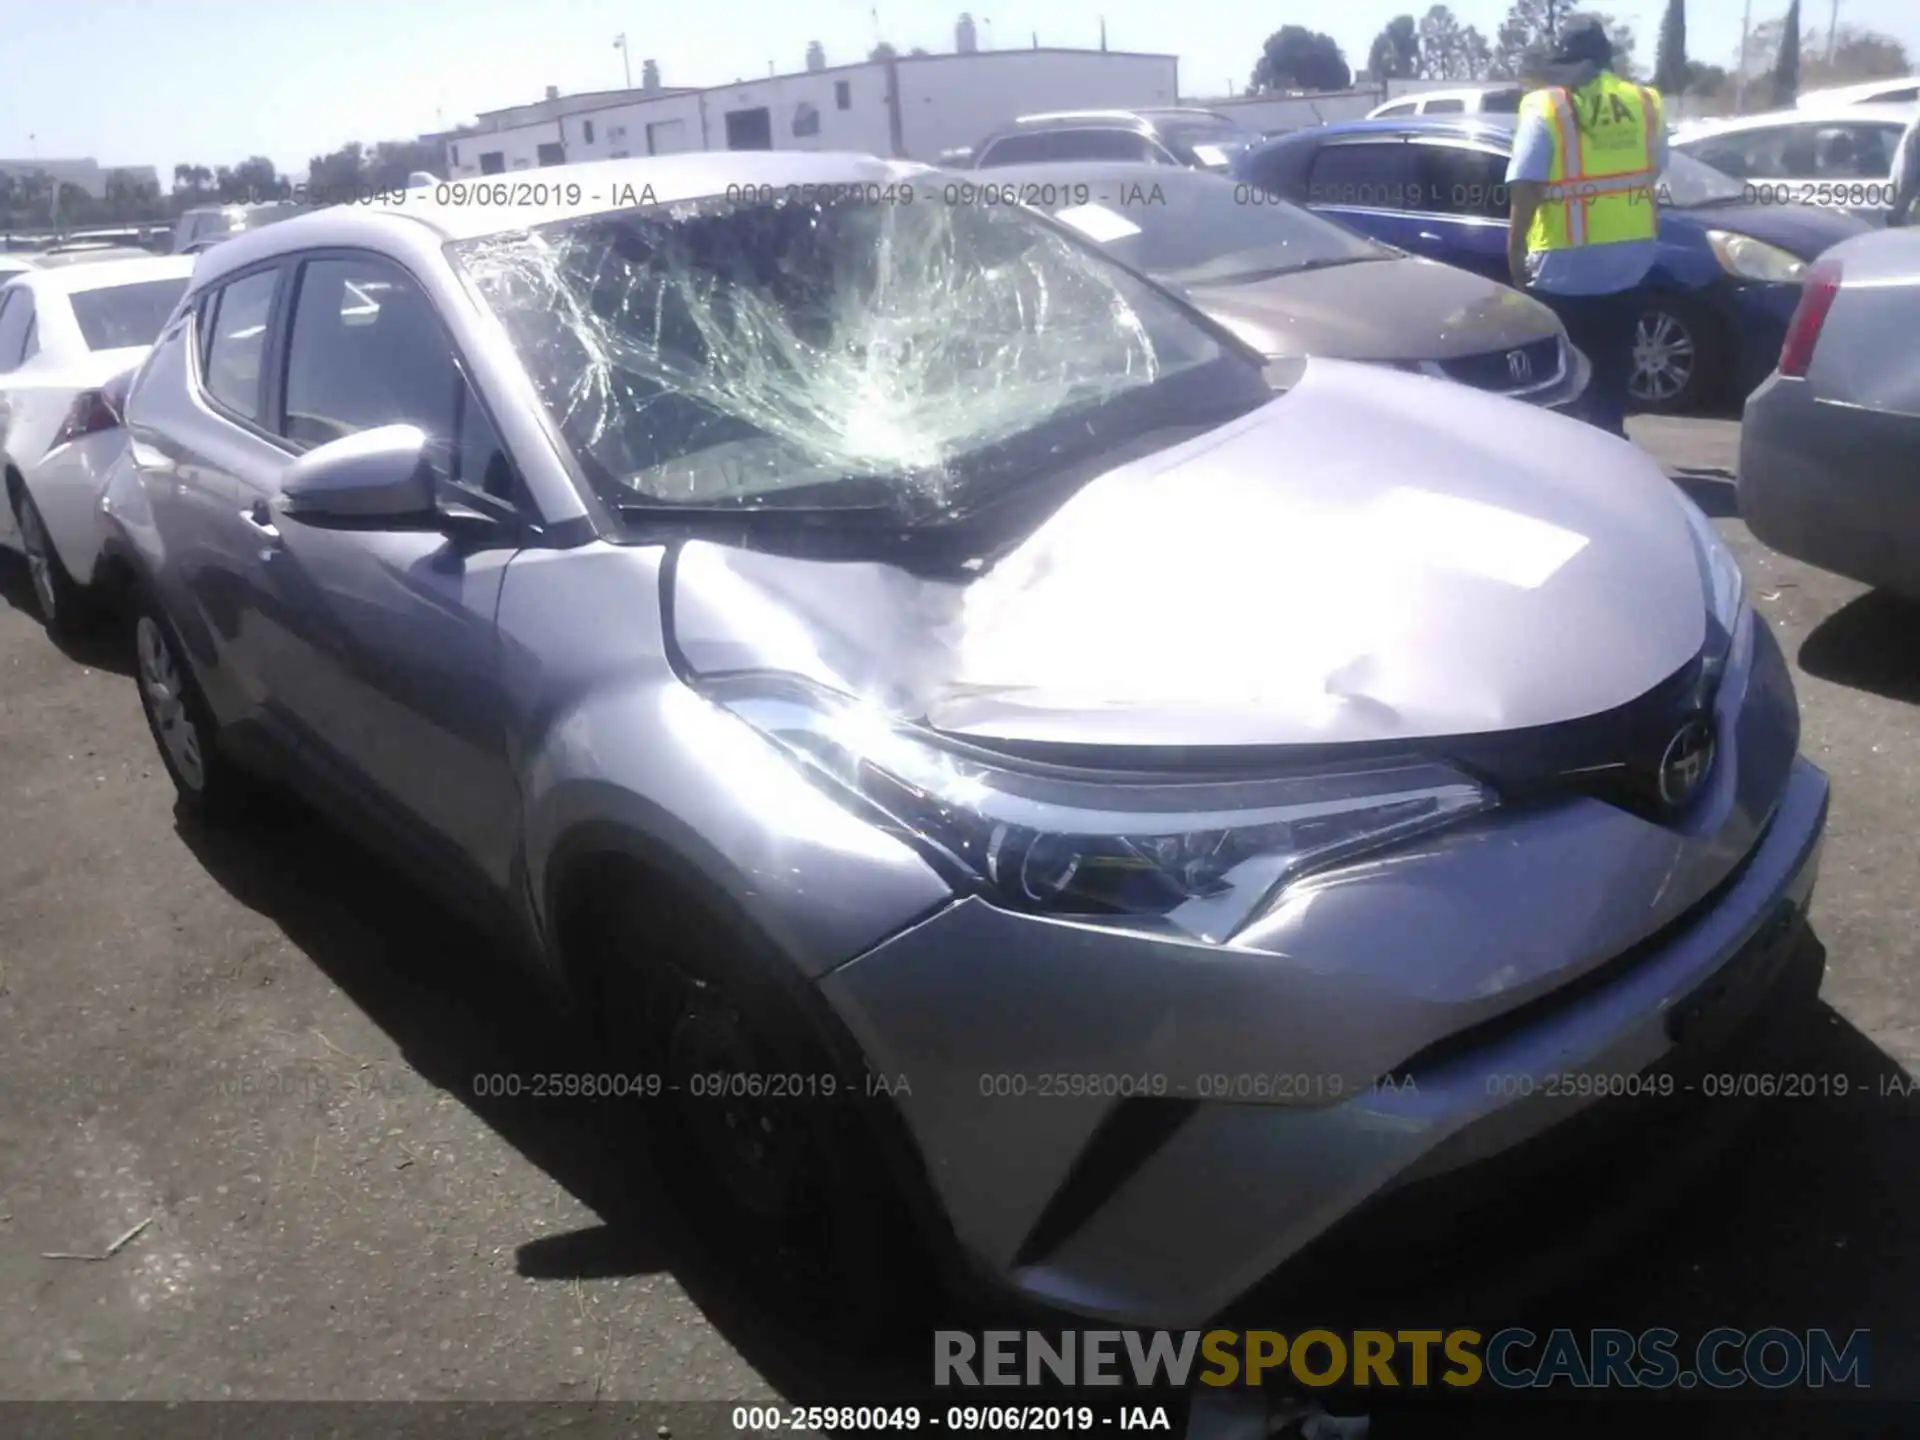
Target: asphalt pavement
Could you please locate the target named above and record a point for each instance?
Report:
(238, 1083)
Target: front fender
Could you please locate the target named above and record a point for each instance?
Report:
(617, 753)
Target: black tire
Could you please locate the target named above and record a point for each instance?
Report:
(813, 1220)
(1670, 329)
(209, 785)
(64, 604)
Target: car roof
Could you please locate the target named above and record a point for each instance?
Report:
(1148, 113)
(102, 274)
(1065, 175)
(1495, 128)
(1461, 92)
(1843, 94)
(1898, 114)
(64, 255)
(466, 209)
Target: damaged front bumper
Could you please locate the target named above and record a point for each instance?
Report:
(1145, 1190)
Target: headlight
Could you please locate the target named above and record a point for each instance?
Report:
(1725, 587)
(1752, 259)
(1128, 850)
(1719, 569)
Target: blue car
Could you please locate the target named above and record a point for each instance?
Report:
(1717, 300)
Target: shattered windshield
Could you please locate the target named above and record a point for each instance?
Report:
(794, 352)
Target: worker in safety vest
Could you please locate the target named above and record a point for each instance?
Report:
(1587, 155)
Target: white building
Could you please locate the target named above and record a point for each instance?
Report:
(909, 106)
(86, 174)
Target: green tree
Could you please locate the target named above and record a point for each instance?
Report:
(1670, 71)
(1786, 65)
(1296, 58)
(1395, 52)
(1449, 50)
(1525, 39)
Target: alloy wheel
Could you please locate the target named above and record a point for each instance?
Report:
(39, 551)
(163, 689)
(1664, 361)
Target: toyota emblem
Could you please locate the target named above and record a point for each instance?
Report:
(1687, 762)
(1519, 366)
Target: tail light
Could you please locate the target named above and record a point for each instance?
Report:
(93, 411)
(1817, 294)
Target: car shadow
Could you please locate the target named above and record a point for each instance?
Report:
(457, 1004)
(104, 644)
(1871, 643)
(1803, 1224)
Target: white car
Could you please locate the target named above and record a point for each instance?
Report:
(1897, 91)
(70, 339)
(1837, 155)
(1471, 100)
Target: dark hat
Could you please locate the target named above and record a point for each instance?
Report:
(1583, 40)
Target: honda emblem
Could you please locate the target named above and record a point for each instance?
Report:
(1519, 366)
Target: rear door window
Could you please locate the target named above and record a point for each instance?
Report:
(1456, 180)
(1104, 144)
(1017, 150)
(1370, 175)
(118, 317)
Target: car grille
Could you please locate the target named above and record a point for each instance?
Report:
(1521, 368)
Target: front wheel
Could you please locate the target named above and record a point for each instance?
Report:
(182, 725)
(1679, 358)
(764, 1131)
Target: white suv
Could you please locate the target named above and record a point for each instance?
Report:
(1475, 100)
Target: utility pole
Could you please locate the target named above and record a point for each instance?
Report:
(1833, 28)
(626, 60)
(1740, 75)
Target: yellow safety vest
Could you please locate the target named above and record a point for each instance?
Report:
(1600, 189)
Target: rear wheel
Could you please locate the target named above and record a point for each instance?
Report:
(182, 726)
(763, 1131)
(1679, 357)
(63, 604)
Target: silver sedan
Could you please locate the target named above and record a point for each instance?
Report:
(1830, 444)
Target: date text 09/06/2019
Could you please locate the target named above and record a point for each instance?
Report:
(897, 1419)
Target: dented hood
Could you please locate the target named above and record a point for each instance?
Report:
(1372, 556)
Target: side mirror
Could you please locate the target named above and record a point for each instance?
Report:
(369, 479)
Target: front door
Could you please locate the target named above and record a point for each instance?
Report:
(382, 653)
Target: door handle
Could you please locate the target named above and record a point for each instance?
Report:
(1429, 237)
(261, 519)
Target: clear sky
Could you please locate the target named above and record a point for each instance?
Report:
(133, 82)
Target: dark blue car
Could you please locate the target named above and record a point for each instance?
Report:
(1717, 300)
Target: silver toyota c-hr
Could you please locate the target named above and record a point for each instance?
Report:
(1010, 775)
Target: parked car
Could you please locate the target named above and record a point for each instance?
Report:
(87, 252)
(1717, 299)
(1291, 283)
(1834, 155)
(69, 336)
(1898, 91)
(1830, 444)
(1201, 139)
(878, 656)
(206, 225)
(1468, 100)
